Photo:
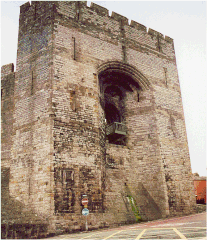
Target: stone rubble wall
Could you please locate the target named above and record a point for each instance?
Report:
(32, 147)
(56, 123)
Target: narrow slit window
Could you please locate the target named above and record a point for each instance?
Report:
(158, 44)
(32, 84)
(78, 14)
(74, 53)
(165, 71)
(124, 53)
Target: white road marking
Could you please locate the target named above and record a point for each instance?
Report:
(179, 233)
(90, 235)
(113, 234)
(175, 224)
(140, 235)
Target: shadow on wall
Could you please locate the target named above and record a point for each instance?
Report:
(148, 208)
(16, 221)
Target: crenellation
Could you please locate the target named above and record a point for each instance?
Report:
(7, 69)
(155, 33)
(138, 26)
(99, 9)
(25, 7)
(76, 11)
(168, 39)
(68, 9)
(81, 3)
(123, 20)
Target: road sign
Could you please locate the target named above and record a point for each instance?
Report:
(84, 201)
(85, 211)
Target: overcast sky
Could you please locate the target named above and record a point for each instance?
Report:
(185, 22)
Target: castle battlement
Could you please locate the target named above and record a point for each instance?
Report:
(7, 69)
(77, 11)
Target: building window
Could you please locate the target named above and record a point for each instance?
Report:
(64, 190)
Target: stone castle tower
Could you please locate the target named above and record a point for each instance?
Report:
(94, 108)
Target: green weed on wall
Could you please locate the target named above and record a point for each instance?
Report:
(134, 208)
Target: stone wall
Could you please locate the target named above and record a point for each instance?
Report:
(68, 55)
(7, 108)
(31, 151)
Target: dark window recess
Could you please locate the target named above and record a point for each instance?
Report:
(35, 12)
(165, 71)
(78, 10)
(32, 84)
(115, 130)
(73, 100)
(64, 190)
(96, 203)
(112, 114)
(78, 14)
(114, 87)
(124, 53)
(74, 53)
(159, 45)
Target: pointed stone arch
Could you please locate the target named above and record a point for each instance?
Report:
(123, 68)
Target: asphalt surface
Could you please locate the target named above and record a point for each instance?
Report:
(188, 227)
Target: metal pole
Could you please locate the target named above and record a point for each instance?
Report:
(86, 224)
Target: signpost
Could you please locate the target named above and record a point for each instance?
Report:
(85, 211)
(84, 201)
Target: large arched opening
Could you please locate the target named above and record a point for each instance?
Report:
(115, 80)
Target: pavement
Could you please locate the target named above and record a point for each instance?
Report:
(187, 227)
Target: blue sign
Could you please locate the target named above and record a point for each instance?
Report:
(85, 211)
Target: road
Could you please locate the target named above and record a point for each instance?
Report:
(188, 227)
